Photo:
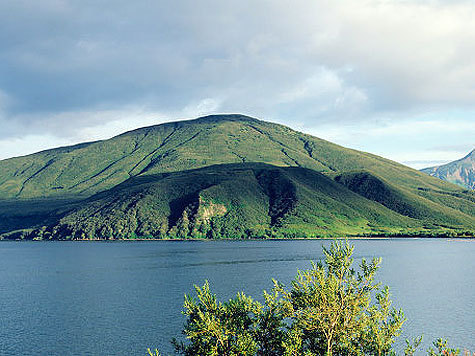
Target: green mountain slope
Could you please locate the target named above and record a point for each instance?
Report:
(244, 200)
(218, 174)
(406, 203)
(89, 168)
(461, 172)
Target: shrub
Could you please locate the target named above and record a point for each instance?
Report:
(329, 309)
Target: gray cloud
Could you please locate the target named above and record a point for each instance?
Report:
(69, 64)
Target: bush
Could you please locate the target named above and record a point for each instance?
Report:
(329, 309)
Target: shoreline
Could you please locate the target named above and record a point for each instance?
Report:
(255, 239)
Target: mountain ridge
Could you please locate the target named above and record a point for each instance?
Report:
(172, 147)
(460, 172)
(80, 180)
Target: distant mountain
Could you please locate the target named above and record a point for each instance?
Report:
(222, 176)
(461, 172)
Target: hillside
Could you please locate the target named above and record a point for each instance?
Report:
(226, 175)
(249, 200)
(89, 168)
(461, 172)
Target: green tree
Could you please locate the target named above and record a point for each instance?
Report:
(328, 310)
(216, 328)
(331, 310)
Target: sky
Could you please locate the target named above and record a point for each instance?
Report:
(391, 77)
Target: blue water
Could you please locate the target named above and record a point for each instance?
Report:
(118, 298)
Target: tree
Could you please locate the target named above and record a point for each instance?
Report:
(216, 328)
(330, 309)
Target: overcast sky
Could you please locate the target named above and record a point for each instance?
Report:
(392, 77)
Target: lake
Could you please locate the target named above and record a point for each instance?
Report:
(118, 298)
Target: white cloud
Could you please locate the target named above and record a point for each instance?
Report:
(203, 107)
(45, 133)
(20, 146)
(398, 54)
(428, 138)
(417, 52)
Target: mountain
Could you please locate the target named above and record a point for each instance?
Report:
(222, 176)
(85, 169)
(461, 172)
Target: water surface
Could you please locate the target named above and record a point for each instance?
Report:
(118, 298)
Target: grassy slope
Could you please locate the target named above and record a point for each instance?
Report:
(243, 200)
(461, 172)
(229, 200)
(138, 158)
(89, 168)
(405, 202)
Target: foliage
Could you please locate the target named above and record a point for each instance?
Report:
(331, 307)
(220, 328)
(441, 348)
(329, 310)
(411, 346)
(153, 353)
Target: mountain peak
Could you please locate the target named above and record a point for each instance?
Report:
(225, 117)
(208, 119)
(471, 155)
(461, 171)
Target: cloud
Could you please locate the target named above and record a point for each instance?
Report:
(420, 164)
(411, 54)
(68, 65)
(45, 133)
(414, 141)
(20, 146)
